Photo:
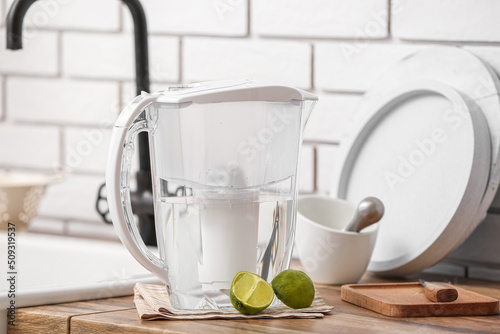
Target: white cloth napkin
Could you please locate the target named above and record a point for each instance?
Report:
(152, 302)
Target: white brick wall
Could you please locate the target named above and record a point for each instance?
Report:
(353, 67)
(447, 20)
(111, 56)
(29, 146)
(41, 57)
(330, 118)
(93, 15)
(91, 55)
(86, 149)
(195, 17)
(57, 101)
(60, 95)
(321, 18)
(2, 115)
(3, 14)
(326, 162)
(223, 58)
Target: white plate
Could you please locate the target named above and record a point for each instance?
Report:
(424, 149)
(466, 73)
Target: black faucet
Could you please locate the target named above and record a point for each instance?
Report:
(142, 203)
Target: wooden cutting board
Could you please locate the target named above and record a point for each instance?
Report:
(408, 300)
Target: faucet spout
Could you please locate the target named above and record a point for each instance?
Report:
(18, 11)
(15, 23)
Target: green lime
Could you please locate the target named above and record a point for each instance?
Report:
(294, 288)
(250, 293)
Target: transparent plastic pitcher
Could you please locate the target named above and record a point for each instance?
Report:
(229, 152)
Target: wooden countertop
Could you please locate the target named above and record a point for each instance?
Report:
(118, 315)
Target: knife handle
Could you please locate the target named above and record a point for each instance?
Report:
(440, 292)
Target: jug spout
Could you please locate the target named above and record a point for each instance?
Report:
(307, 103)
(307, 108)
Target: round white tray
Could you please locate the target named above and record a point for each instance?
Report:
(465, 72)
(424, 149)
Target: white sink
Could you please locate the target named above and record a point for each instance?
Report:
(55, 269)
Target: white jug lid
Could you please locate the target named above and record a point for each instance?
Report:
(232, 91)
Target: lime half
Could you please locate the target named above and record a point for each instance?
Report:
(294, 288)
(250, 293)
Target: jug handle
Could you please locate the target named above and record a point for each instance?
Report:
(120, 152)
